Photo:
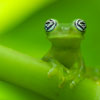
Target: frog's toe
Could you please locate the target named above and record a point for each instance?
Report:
(73, 84)
(67, 71)
(62, 82)
(64, 76)
(52, 72)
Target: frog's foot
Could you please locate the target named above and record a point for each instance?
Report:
(75, 82)
(62, 82)
(52, 72)
(63, 76)
(58, 70)
(61, 72)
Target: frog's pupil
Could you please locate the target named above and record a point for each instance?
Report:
(47, 22)
(82, 23)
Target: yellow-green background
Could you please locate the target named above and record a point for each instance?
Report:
(22, 25)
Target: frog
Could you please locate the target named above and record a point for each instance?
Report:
(65, 55)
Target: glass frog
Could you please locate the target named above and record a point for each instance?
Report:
(65, 54)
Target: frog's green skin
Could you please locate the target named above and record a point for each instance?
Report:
(65, 54)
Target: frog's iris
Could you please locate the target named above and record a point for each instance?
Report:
(50, 25)
(80, 25)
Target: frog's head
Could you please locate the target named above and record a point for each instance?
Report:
(65, 35)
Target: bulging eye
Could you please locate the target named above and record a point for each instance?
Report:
(80, 25)
(50, 25)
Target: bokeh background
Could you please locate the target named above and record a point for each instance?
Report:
(22, 29)
(22, 25)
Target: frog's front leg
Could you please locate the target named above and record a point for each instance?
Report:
(57, 69)
(78, 74)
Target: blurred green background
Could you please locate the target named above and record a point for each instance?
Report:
(22, 25)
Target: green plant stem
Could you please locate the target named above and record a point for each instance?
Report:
(32, 74)
(12, 92)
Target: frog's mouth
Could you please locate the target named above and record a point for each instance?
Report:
(69, 41)
(71, 34)
(65, 37)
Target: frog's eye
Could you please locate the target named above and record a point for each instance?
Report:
(50, 25)
(80, 25)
